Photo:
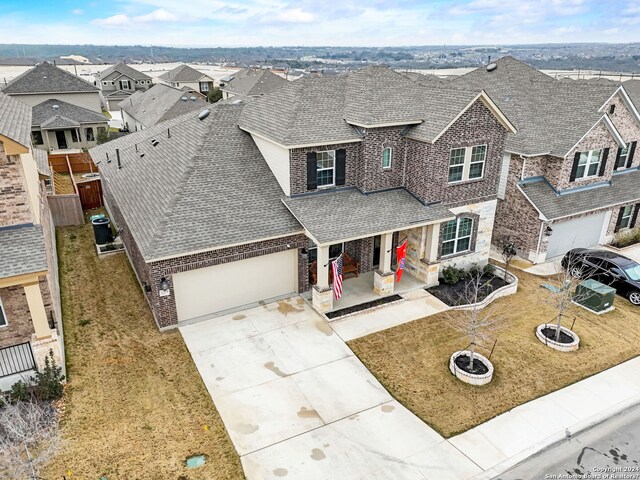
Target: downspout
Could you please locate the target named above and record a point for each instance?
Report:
(524, 162)
(539, 241)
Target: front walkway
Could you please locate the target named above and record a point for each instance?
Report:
(297, 402)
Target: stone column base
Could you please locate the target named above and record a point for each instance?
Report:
(322, 299)
(383, 283)
(433, 270)
(41, 349)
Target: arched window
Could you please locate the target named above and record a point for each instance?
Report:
(386, 157)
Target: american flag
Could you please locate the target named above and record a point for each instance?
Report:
(336, 267)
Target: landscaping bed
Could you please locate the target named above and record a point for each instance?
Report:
(363, 306)
(412, 360)
(454, 294)
(135, 406)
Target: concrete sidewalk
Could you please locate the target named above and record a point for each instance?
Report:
(508, 439)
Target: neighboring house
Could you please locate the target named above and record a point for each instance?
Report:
(119, 81)
(570, 176)
(58, 125)
(158, 104)
(250, 202)
(46, 81)
(30, 321)
(250, 82)
(185, 76)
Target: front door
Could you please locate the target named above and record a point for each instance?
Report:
(376, 251)
(61, 138)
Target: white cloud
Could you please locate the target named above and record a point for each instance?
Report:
(77, 11)
(295, 15)
(160, 15)
(123, 20)
(113, 21)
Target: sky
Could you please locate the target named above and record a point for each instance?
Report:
(319, 22)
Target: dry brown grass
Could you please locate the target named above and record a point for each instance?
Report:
(135, 404)
(411, 360)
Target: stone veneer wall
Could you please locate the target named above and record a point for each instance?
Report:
(19, 326)
(14, 199)
(415, 264)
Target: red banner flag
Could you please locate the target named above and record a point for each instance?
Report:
(401, 253)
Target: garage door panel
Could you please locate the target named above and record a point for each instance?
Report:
(230, 285)
(581, 232)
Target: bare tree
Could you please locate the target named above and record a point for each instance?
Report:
(509, 250)
(478, 325)
(29, 437)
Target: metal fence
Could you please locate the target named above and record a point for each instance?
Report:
(16, 359)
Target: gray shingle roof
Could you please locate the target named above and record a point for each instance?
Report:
(205, 187)
(41, 158)
(23, 250)
(253, 82)
(160, 103)
(316, 110)
(124, 69)
(46, 115)
(47, 78)
(340, 215)
(15, 120)
(623, 188)
(550, 115)
(182, 73)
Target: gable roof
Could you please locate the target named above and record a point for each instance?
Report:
(55, 113)
(253, 82)
(320, 110)
(47, 78)
(182, 73)
(551, 115)
(160, 103)
(15, 120)
(124, 69)
(205, 187)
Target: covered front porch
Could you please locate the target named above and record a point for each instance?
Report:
(367, 228)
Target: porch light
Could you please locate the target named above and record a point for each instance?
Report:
(164, 285)
(548, 231)
(305, 253)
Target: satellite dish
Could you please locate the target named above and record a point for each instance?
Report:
(203, 114)
(491, 67)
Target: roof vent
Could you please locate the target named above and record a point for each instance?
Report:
(154, 142)
(193, 99)
(184, 99)
(55, 107)
(203, 114)
(491, 67)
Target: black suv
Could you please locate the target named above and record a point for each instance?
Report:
(606, 267)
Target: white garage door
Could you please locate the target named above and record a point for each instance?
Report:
(579, 233)
(230, 285)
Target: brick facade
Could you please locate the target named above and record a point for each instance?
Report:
(15, 208)
(19, 326)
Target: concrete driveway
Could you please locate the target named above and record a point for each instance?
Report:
(297, 403)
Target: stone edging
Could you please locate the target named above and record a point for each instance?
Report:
(508, 289)
(561, 347)
(467, 377)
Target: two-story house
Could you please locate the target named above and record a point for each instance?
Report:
(250, 82)
(570, 177)
(119, 81)
(30, 323)
(158, 104)
(186, 77)
(46, 81)
(249, 201)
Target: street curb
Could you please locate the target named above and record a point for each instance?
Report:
(558, 437)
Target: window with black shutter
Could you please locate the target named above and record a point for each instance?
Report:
(341, 166)
(312, 171)
(632, 151)
(634, 217)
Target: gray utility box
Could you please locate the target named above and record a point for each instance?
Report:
(594, 295)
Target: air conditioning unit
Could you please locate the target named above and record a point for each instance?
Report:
(595, 296)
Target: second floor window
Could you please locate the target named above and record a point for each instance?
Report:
(386, 157)
(75, 135)
(204, 87)
(36, 137)
(326, 168)
(457, 236)
(588, 164)
(625, 216)
(89, 134)
(124, 85)
(623, 156)
(467, 163)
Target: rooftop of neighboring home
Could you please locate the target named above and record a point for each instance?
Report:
(160, 103)
(371, 97)
(183, 73)
(15, 120)
(54, 113)
(47, 78)
(551, 115)
(23, 250)
(125, 70)
(205, 186)
(253, 82)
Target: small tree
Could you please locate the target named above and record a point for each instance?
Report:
(214, 95)
(103, 136)
(29, 437)
(509, 250)
(478, 325)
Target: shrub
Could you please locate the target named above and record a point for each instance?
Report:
(45, 385)
(626, 238)
(452, 275)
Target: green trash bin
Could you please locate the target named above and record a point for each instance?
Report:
(594, 295)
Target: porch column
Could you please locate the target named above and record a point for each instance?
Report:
(37, 311)
(384, 278)
(322, 294)
(431, 254)
(47, 143)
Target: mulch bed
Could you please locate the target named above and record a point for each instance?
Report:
(550, 333)
(363, 306)
(479, 368)
(453, 295)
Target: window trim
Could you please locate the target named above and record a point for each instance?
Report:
(390, 149)
(75, 132)
(122, 84)
(588, 164)
(93, 135)
(467, 162)
(627, 217)
(622, 159)
(36, 133)
(457, 238)
(3, 315)
(333, 169)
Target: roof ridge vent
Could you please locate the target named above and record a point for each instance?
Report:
(491, 67)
